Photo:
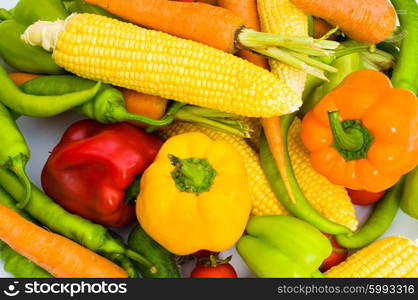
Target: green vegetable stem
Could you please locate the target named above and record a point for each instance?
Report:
(14, 153)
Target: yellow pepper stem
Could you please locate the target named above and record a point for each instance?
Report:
(192, 175)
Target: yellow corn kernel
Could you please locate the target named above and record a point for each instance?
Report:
(156, 63)
(282, 17)
(387, 258)
(330, 200)
(262, 197)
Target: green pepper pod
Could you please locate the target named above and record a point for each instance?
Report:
(409, 200)
(283, 246)
(21, 56)
(163, 260)
(15, 52)
(108, 105)
(14, 153)
(93, 236)
(14, 263)
(406, 71)
(27, 12)
(379, 221)
(40, 106)
(19, 266)
(287, 189)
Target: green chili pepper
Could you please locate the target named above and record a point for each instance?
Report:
(163, 260)
(27, 12)
(290, 194)
(409, 200)
(15, 52)
(283, 246)
(40, 106)
(406, 71)
(93, 236)
(405, 76)
(379, 221)
(121, 259)
(5, 14)
(108, 105)
(19, 266)
(14, 153)
(21, 56)
(14, 263)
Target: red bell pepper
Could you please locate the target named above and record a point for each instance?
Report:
(89, 170)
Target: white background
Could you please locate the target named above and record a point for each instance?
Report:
(43, 134)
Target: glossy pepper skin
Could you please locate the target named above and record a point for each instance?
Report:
(195, 195)
(364, 134)
(89, 170)
(282, 246)
(15, 52)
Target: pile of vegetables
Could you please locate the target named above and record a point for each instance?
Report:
(250, 123)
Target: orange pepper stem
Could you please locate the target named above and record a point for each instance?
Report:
(192, 175)
(351, 139)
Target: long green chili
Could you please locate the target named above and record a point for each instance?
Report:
(40, 106)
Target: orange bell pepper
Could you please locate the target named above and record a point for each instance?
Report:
(364, 134)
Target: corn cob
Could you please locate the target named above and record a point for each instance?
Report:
(282, 17)
(390, 257)
(330, 200)
(156, 63)
(262, 197)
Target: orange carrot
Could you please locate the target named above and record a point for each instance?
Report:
(59, 256)
(213, 2)
(200, 22)
(367, 21)
(20, 78)
(222, 29)
(145, 105)
(247, 10)
(321, 27)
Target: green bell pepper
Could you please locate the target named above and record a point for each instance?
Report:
(283, 246)
(15, 52)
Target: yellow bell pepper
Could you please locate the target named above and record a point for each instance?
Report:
(195, 195)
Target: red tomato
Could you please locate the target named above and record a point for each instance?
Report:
(218, 271)
(338, 255)
(364, 197)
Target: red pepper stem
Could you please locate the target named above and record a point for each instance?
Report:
(141, 260)
(17, 165)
